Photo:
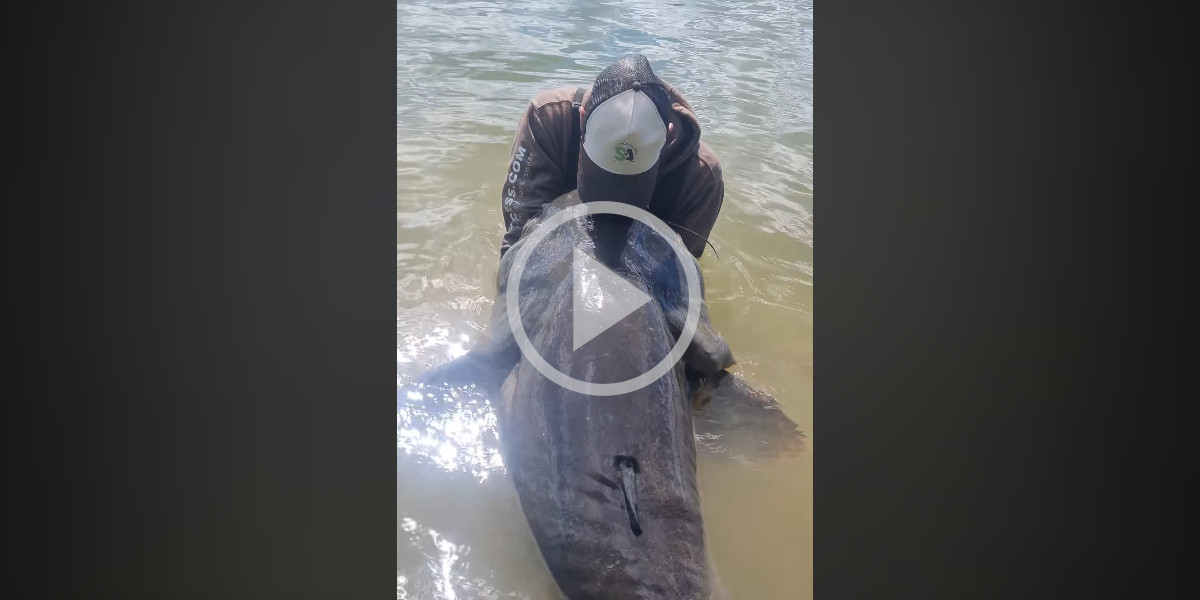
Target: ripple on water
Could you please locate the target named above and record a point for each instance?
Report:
(454, 430)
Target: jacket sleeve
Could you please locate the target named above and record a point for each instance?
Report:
(535, 169)
(699, 202)
(708, 206)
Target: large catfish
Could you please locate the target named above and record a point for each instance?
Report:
(608, 484)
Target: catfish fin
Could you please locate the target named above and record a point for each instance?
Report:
(738, 419)
(472, 368)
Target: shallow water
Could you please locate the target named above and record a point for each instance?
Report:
(465, 72)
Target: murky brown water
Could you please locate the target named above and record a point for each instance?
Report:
(465, 73)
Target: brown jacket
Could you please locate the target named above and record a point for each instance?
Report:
(687, 196)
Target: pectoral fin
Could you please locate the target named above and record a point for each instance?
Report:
(627, 474)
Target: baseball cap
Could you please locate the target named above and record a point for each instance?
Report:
(624, 131)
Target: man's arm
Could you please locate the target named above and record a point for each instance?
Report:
(699, 201)
(536, 169)
(705, 216)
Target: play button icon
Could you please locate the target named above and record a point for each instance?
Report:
(601, 298)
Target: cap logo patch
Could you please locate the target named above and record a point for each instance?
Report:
(624, 151)
(625, 134)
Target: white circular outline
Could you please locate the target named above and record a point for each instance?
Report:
(512, 296)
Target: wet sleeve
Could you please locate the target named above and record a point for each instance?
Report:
(705, 203)
(534, 174)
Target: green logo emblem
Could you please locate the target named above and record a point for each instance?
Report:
(624, 151)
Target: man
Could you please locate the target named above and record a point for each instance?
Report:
(640, 145)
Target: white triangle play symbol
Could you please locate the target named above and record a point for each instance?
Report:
(601, 298)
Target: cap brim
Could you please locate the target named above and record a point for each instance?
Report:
(596, 184)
